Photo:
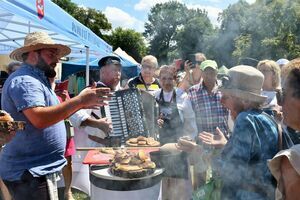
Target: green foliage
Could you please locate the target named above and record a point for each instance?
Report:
(92, 18)
(266, 29)
(193, 37)
(130, 41)
(163, 23)
(233, 22)
(175, 31)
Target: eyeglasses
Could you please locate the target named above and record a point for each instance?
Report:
(149, 67)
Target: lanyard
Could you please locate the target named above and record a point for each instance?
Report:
(146, 86)
(161, 97)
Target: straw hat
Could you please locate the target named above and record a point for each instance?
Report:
(38, 40)
(244, 82)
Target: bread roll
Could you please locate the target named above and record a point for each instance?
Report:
(4, 116)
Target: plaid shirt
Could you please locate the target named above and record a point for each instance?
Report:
(209, 111)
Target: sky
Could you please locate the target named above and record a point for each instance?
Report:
(133, 14)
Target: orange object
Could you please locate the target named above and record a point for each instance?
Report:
(96, 157)
(61, 86)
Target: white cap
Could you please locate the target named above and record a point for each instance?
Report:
(282, 61)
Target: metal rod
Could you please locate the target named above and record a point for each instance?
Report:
(115, 148)
(87, 70)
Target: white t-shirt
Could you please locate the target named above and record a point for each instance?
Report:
(185, 109)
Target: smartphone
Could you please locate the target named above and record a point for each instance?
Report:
(192, 59)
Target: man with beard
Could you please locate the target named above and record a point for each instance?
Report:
(31, 160)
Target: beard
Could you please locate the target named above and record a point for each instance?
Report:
(47, 68)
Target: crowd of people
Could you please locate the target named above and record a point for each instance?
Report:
(242, 125)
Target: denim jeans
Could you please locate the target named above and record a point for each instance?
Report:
(28, 188)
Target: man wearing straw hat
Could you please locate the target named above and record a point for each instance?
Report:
(30, 161)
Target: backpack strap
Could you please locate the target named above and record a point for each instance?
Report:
(279, 129)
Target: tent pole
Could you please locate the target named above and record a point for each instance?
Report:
(87, 69)
(29, 26)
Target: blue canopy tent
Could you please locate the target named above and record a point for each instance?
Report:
(18, 18)
(129, 69)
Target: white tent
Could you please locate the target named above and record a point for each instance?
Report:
(124, 55)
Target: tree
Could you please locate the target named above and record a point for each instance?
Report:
(130, 41)
(92, 18)
(193, 36)
(175, 31)
(267, 29)
(163, 22)
(233, 22)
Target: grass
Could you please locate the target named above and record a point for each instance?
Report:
(77, 194)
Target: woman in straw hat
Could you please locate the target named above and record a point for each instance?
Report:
(31, 160)
(243, 162)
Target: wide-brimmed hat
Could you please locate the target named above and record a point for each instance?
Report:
(38, 40)
(244, 82)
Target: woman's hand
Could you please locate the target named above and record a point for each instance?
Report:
(217, 140)
(160, 123)
(187, 145)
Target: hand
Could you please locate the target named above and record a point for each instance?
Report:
(218, 140)
(186, 145)
(278, 115)
(187, 66)
(104, 124)
(160, 123)
(92, 97)
(6, 137)
(63, 94)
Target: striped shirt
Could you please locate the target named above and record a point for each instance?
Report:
(209, 111)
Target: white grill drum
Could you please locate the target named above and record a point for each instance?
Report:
(105, 186)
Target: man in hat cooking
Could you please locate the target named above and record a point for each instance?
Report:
(30, 161)
(242, 165)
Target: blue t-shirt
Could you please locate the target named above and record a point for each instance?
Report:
(243, 162)
(40, 151)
